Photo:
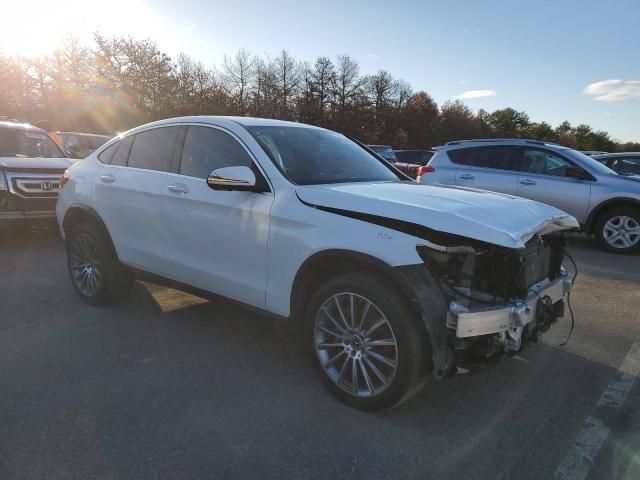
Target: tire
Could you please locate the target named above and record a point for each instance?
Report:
(335, 349)
(618, 230)
(94, 269)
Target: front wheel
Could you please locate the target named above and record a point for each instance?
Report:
(369, 348)
(618, 230)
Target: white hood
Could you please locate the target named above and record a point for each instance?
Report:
(490, 217)
(19, 162)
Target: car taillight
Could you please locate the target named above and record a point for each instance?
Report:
(422, 170)
(64, 179)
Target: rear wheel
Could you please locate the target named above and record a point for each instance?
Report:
(369, 348)
(618, 230)
(96, 274)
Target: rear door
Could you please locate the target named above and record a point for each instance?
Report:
(543, 177)
(127, 193)
(217, 239)
(491, 168)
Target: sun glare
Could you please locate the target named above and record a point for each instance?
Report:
(36, 27)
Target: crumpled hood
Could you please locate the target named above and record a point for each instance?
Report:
(490, 217)
(9, 163)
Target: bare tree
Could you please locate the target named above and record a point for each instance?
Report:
(323, 78)
(238, 72)
(288, 78)
(197, 90)
(347, 88)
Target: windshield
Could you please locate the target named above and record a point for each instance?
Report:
(589, 162)
(16, 142)
(309, 156)
(385, 152)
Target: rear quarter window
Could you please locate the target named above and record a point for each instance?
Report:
(107, 154)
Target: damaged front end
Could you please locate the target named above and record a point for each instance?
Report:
(496, 297)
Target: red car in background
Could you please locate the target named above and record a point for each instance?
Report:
(407, 161)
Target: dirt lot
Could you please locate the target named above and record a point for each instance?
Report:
(167, 385)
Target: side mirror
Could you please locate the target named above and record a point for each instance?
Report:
(577, 172)
(232, 178)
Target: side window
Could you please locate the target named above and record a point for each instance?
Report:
(502, 158)
(206, 149)
(153, 149)
(544, 162)
(628, 166)
(122, 153)
(107, 154)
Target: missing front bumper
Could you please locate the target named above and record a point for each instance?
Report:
(507, 318)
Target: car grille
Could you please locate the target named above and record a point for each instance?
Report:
(31, 191)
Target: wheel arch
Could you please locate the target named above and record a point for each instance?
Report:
(322, 265)
(592, 219)
(78, 213)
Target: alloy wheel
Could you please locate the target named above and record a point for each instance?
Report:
(621, 232)
(356, 345)
(84, 265)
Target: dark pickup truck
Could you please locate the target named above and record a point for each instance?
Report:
(31, 165)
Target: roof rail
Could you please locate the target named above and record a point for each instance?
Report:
(491, 140)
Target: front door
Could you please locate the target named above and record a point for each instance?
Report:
(217, 239)
(543, 177)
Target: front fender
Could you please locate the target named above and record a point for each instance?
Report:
(428, 300)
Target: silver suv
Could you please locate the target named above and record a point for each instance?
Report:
(605, 203)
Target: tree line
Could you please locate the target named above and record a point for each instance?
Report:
(116, 83)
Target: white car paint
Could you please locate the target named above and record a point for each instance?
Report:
(249, 246)
(503, 220)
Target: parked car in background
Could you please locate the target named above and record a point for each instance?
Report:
(591, 152)
(624, 163)
(30, 168)
(389, 154)
(79, 145)
(410, 161)
(416, 157)
(606, 204)
(391, 280)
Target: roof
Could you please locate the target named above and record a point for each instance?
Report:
(221, 120)
(500, 141)
(245, 121)
(619, 154)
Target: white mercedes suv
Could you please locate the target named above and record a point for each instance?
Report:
(392, 280)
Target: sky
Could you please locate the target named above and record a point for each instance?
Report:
(557, 60)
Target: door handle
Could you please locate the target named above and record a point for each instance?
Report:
(467, 176)
(107, 178)
(178, 188)
(526, 181)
